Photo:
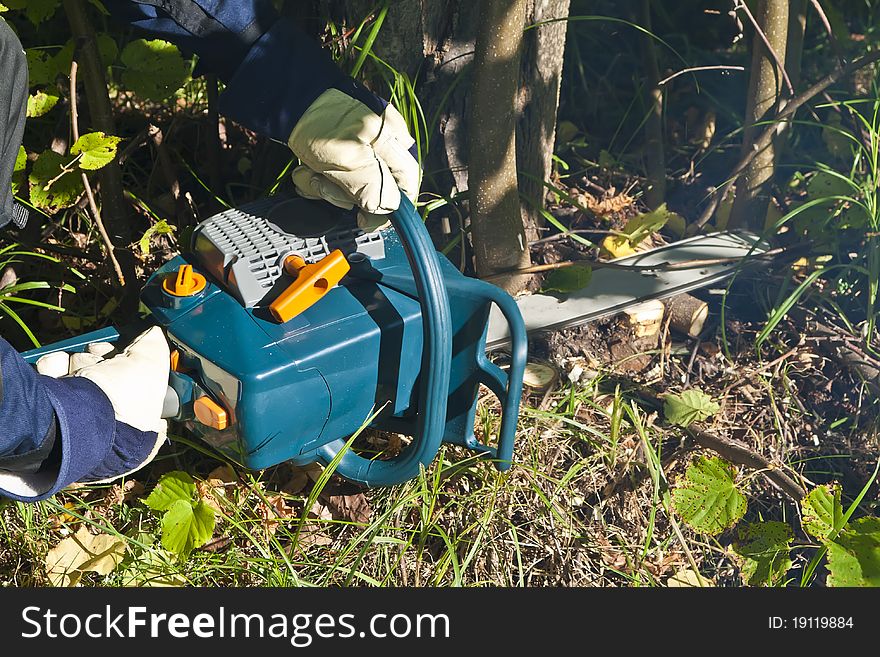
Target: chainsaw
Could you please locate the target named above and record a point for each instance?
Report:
(291, 329)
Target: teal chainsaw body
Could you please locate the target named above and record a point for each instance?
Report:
(399, 343)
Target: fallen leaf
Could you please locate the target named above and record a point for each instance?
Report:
(224, 473)
(688, 407)
(314, 471)
(687, 578)
(81, 553)
(312, 534)
(355, 508)
(60, 519)
(273, 511)
(208, 491)
(299, 479)
(120, 493)
(320, 511)
(567, 279)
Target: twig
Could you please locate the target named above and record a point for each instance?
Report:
(738, 453)
(692, 359)
(787, 111)
(93, 206)
(693, 69)
(766, 366)
(835, 45)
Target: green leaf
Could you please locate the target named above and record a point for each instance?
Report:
(161, 227)
(18, 177)
(568, 279)
(55, 183)
(186, 527)
(854, 556)
(155, 68)
(822, 512)
(824, 184)
(40, 103)
(836, 139)
(36, 11)
(607, 160)
(97, 150)
(20, 159)
(41, 67)
(707, 498)
(689, 407)
(765, 548)
(172, 487)
(640, 226)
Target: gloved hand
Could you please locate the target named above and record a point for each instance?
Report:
(135, 382)
(354, 157)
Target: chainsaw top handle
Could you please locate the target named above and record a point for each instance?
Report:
(436, 365)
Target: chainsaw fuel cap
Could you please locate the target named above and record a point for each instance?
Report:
(184, 283)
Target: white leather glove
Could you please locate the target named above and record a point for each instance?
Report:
(353, 157)
(135, 381)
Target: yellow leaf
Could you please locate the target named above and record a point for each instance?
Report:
(688, 578)
(83, 552)
(617, 246)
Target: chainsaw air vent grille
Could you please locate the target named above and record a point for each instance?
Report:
(244, 249)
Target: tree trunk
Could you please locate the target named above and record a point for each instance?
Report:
(540, 80)
(433, 41)
(497, 228)
(655, 156)
(766, 84)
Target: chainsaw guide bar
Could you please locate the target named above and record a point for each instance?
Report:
(611, 291)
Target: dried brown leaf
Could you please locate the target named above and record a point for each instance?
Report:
(274, 511)
(224, 474)
(81, 553)
(354, 508)
(126, 492)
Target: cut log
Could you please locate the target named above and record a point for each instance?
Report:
(687, 314)
(645, 318)
(636, 335)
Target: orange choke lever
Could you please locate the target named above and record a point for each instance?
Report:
(311, 284)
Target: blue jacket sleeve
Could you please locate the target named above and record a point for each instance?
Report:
(54, 432)
(272, 69)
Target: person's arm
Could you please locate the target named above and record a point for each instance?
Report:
(355, 148)
(13, 109)
(97, 425)
(273, 71)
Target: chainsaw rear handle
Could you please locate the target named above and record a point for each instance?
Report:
(436, 365)
(508, 386)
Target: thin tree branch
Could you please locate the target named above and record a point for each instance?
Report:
(835, 44)
(93, 206)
